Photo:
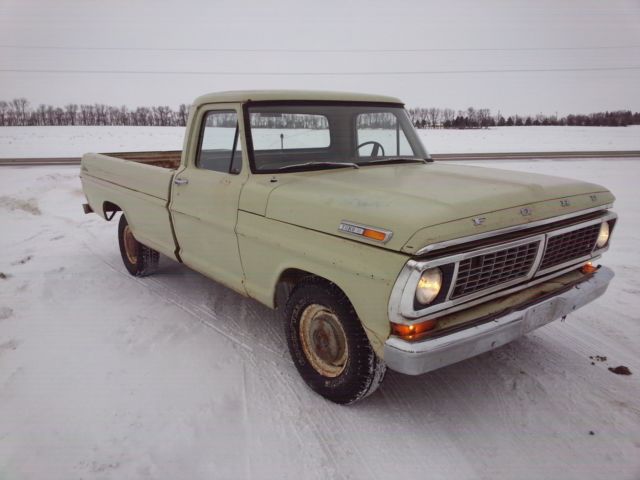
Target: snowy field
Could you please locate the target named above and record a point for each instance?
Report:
(74, 141)
(104, 376)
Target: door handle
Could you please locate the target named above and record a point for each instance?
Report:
(180, 181)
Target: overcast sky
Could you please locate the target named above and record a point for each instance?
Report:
(588, 51)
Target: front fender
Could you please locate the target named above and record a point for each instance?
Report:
(366, 274)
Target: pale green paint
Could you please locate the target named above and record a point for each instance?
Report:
(406, 198)
(243, 96)
(245, 230)
(147, 215)
(508, 217)
(204, 212)
(365, 274)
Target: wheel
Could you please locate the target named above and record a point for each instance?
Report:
(139, 259)
(328, 344)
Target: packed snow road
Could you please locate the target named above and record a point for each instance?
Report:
(103, 375)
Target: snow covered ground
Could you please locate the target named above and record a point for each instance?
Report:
(74, 141)
(104, 376)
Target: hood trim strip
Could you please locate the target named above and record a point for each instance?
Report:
(502, 231)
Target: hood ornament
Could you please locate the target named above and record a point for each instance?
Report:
(477, 221)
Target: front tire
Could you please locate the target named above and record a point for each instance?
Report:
(139, 259)
(328, 344)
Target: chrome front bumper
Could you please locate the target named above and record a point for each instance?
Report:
(414, 358)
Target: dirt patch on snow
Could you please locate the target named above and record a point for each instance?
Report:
(56, 177)
(4, 276)
(620, 370)
(22, 261)
(30, 205)
(10, 345)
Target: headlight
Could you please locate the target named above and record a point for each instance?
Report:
(429, 286)
(603, 235)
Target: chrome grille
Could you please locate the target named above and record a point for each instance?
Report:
(570, 245)
(490, 269)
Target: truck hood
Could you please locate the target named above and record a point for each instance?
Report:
(417, 202)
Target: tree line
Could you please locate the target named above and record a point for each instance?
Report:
(19, 112)
(483, 118)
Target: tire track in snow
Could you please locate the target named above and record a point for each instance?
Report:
(331, 422)
(197, 311)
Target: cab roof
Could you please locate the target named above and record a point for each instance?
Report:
(243, 96)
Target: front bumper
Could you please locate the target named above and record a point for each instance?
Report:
(414, 358)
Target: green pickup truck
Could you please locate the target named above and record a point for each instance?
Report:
(327, 207)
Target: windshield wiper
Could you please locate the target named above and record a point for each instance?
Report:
(396, 159)
(320, 164)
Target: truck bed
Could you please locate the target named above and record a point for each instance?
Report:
(139, 184)
(166, 159)
(144, 172)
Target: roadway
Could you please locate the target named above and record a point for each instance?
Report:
(438, 156)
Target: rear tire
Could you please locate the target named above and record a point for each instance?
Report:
(139, 259)
(328, 344)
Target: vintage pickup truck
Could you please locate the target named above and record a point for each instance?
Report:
(327, 207)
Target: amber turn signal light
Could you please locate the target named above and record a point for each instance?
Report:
(374, 234)
(408, 331)
(589, 268)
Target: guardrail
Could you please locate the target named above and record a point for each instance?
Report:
(446, 157)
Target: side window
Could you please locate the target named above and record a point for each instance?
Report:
(220, 148)
(381, 131)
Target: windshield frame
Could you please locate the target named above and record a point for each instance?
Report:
(411, 133)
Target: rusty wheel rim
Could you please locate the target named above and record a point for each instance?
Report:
(130, 245)
(324, 341)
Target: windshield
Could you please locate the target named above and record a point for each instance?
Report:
(312, 136)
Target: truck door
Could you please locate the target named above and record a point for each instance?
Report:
(206, 191)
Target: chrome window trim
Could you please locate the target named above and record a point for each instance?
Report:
(503, 231)
(401, 302)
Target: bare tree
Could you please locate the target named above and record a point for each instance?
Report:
(448, 115)
(20, 106)
(71, 113)
(433, 115)
(484, 116)
(183, 114)
(4, 108)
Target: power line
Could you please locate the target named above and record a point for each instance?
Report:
(324, 50)
(318, 74)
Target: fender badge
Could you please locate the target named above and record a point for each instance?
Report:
(372, 233)
(478, 220)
